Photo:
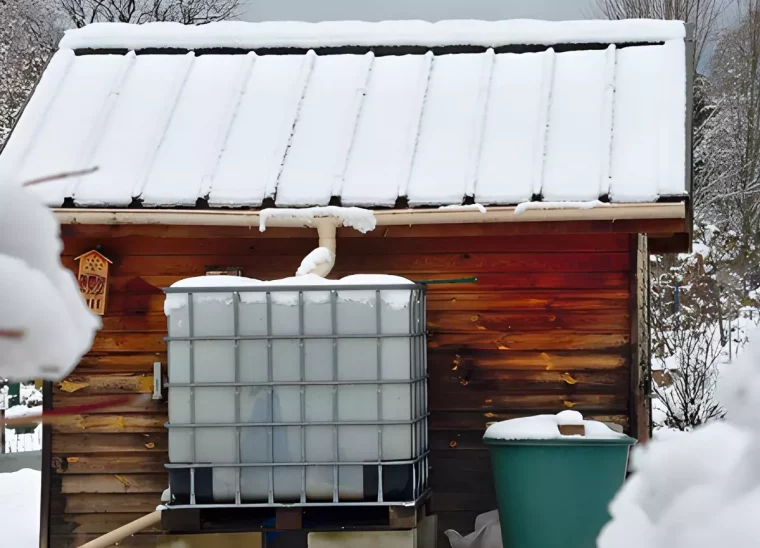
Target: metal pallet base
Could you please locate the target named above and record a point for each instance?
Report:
(303, 518)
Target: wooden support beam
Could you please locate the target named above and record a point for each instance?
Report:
(640, 363)
(46, 480)
(674, 243)
(184, 520)
(289, 519)
(403, 517)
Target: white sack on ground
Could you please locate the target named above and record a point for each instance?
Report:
(487, 533)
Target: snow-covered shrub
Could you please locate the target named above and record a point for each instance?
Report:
(699, 307)
(689, 399)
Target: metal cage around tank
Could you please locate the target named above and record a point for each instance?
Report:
(185, 476)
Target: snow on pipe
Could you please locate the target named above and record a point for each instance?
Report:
(401, 217)
(322, 260)
(326, 220)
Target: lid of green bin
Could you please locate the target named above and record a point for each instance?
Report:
(567, 427)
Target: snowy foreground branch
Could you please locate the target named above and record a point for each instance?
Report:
(45, 326)
(699, 489)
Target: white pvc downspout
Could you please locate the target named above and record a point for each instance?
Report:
(321, 261)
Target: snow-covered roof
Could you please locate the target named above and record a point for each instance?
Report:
(273, 119)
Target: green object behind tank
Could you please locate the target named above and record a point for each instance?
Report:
(555, 493)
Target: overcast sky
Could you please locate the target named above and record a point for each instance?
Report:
(430, 10)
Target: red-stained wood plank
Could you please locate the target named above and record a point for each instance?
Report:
(117, 503)
(607, 321)
(105, 423)
(261, 265)
(537, 360)
(485, 281)
(77, 443)
(97, 524)
(114, 483)
(556, 340)
(144, 245)
(536, 230)
(80, 462)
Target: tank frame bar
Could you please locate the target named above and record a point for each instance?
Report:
(293, 383)
(293, 288)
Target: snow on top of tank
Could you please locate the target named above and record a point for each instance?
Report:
(175, 301)
(396, 299)
(290, 298)
(546, 427)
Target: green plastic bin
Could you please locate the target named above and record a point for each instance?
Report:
(555, 493)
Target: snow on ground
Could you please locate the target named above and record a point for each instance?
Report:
(699, 489)
(20, 509)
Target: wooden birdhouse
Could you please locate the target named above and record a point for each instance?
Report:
(93, 280)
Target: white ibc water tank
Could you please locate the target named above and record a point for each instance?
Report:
(286, 376)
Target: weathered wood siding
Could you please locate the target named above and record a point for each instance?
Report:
(546, 328)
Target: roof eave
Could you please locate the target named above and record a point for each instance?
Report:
(390, 217)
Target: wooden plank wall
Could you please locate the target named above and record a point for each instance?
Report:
(546, 328)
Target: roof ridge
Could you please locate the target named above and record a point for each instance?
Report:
(293, 34)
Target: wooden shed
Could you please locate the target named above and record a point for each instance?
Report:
(538, 164)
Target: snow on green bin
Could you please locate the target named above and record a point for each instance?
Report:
(555, 476)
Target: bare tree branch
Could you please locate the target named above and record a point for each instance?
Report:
(29, 33)
(703, 14)
(60, 176)
(189, 12)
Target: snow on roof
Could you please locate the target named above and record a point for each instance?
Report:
(294, 34)
(304, 128)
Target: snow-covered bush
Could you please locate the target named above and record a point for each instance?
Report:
(699, 489)
(700, 306)
(688, 400)
(45, 326)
